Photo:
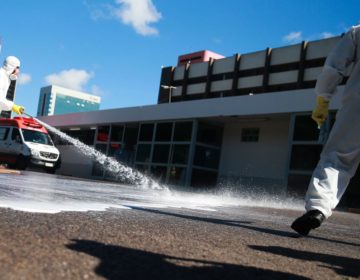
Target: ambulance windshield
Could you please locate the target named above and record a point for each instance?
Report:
(37, 137)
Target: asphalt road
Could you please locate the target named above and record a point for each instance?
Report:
(73, 229)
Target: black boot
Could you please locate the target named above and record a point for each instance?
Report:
(308, 221)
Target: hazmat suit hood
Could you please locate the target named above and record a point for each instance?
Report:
(10, 64)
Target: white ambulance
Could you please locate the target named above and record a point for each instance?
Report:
(25, 142)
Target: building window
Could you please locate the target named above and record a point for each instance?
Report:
(177, 175)
(210, 134)
(183, 131)
(103, 133)
(131, 136)
(161, 153)
(180, 154)
(305, 157)
(117, 133)
(250, 135)
(305, 129)
(207, 157)
(163, 131)
(143, 153)
(203, 178)
(85, 136)
(146, 132)
(114, 150)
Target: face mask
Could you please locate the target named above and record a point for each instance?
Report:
(13, 77)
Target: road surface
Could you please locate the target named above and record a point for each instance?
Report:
(54, 227)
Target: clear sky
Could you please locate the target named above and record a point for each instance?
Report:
(115, 48)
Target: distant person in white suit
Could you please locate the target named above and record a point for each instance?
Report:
(8, 72)
(341, 154)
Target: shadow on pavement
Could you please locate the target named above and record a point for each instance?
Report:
(117, 262)
(242, 224)
(341, 265)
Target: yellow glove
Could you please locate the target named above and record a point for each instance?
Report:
(321, 111)
(18, 109)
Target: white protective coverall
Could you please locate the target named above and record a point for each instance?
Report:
(10, 64)
(341, 154)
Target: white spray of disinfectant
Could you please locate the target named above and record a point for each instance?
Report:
(121, 172)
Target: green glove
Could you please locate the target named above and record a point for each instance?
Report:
(18, 109)
(321, 111)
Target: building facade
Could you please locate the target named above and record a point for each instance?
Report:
(272, 70)
(241, 121)
(55, 100)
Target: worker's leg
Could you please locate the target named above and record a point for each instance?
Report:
(327, 185)
(338, 163)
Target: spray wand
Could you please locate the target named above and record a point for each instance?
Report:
(323, 133)
(30, 116)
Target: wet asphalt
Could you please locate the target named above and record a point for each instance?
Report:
(141, 242)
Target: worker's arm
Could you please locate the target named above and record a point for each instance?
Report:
(5, 105)
(337, 64)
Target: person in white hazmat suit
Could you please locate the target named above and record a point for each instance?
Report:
(341, 154)
(8, 72)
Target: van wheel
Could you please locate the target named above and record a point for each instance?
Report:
(21, 162)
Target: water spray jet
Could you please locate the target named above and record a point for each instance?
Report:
(119, 171)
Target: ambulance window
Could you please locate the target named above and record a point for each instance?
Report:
(4, 131)
(15, 135)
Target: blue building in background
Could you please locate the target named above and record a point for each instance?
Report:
(55, 100)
